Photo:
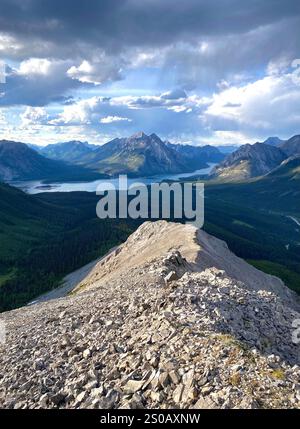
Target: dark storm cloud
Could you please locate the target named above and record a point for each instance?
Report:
(195, 42)
(185, 52)
(116, 25)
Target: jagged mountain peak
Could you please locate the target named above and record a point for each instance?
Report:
(139, 135)
(138, 154)
(273, 141)
(155, 136)
(142, 155)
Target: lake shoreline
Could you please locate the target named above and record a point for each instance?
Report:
(37, 186)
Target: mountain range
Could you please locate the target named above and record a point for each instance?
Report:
(292, 146)
(71, 151)
(138, 155)
(273, 141)
(249, 161)
(47, 232)
(226, 149)
(20, 162)
(256, 160)
(197, 154)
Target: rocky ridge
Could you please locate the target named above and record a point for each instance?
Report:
(249, 161)
(146, 155)
(162, 326)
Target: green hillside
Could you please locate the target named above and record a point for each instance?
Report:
(278, 192)
(20, 162)
(44, 237)
(258, 220)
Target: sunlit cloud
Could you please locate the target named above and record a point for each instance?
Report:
(110, 119)
(213, 71)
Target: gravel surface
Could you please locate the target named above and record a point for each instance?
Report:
(154, 326)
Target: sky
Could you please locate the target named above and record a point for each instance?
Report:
(195, 71)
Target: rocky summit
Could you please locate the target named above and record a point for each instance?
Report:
(170, 319)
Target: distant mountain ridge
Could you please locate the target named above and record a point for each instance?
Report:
(274, 141)
(206, 153)
(249, 161)
(70, 151)
(256, 160)
(226, 149)
(292, 146)
(139, 154)
(20, 162)
(289, 168)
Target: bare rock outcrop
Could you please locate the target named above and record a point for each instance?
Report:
(162, 322)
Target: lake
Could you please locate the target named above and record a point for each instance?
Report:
(37, 186)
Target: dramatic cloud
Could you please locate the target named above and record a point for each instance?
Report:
(196, 71)
(95, 73)
(78, 113)
(197, 39)
(115, 25)
(38, 82)
(176, 100)
(258, 107)
(110, 119)
(33, 116)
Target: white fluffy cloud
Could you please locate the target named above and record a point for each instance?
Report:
(90, 110)
(177, 101)
(78, 113)
(234, 113)
(42, 81)
(272, 102)
(97, 72)
(37, 82)
(110, 119)
(36, 66)
(33, 116)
